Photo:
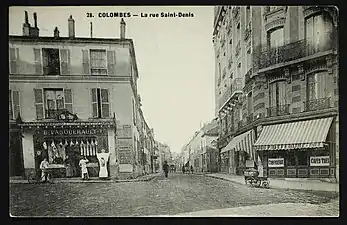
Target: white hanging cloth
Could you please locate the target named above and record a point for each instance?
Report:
(85, 148)
(76, 142)
(81, 147)
(66, 143)
(45, 145)
(88, 148)
(71, 143)
(93, 148)
(61, 143)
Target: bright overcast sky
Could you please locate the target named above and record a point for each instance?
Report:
(175, 59)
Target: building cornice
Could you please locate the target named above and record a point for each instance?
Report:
(66, 79)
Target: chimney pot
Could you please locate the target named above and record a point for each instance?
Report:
(122, 29)
(56, 32)
(35, 20)
(71, 25)
(26, 17)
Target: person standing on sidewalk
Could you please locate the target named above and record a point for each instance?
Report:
(83, 164)
(166, 168)
(191, 169)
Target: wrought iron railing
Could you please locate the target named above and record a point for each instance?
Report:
(317, 104)
(52, 113)
(250, 118)
(247, 31)
(279, 110)
(294, 50)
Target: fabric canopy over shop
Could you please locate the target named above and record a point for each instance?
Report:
(295, 135)
(242, 142)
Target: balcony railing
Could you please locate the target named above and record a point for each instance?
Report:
(52, 113)
(317, 104)
(294, 50)
(247, 32)
(250, 118)
(237, 86)
(237, 49)
(279, 110)
(236, 11)
(248, 75)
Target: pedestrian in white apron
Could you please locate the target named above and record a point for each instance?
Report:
(84, 169)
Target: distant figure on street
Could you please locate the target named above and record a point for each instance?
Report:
(166, 168)
(191, 169)
(84, 170)
(183, 169)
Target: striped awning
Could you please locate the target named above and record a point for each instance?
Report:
(295, 135)
(242, 142)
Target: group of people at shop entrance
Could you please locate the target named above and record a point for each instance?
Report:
(102, 157)
(187, 169)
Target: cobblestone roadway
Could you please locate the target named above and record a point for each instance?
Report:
(177, 194)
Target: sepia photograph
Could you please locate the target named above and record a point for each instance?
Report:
(174, 111)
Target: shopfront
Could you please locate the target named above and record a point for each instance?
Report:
(64, 143)
(303, 149)
(237, 152)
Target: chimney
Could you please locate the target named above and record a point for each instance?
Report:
(91, 30)
(26, 25)
(56, 32)
(34, 31)
(71, 24)
(122, 29)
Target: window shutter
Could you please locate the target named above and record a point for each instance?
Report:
(85, 62)
(16, 106)
(37, 59)
(65, 61)
(94, 102)
(13, 61)
(105, 105)
(10, 113)
(39, 103)
(68, 99)
(111, 59)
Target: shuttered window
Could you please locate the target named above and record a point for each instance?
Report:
(37, 61)
(111, 61)
(100, 103)
(14, 104)
(14, 57)
(65, 61)
(85, 62)
(68, 100)
(39, 103)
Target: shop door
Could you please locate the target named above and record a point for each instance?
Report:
(16, 159)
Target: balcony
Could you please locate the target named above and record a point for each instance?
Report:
(236, 11)
(295, 50)
(237, 87)
(247, 32)
(248, 75)
(250, 118)
(225, 97)
(317, 104)
(279, 110)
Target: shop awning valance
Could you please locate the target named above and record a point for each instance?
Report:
(54, 123)
(242, 142)
(295, 135)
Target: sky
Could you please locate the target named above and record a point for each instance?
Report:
(175, 59)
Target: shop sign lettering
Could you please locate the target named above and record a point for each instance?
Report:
(319, 161)
(65, 132)
(276, 162)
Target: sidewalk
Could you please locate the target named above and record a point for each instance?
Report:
(313, 185)
(93, 180)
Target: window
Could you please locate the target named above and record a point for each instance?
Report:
(14, 104)
(98, 62)
(134, 112)
(100, 103)
(276, 38)
(248, 15)
(14, 56)
(249, 103)
(231, 49)
(277, 93)
(302, 158)
(317, 28)
(219, 71)
(238, 71)
(316, 86)
(51, 61)
(54, 101)
(249, 59)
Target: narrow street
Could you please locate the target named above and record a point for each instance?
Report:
(180, 193)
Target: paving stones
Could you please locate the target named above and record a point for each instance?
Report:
(180, 193)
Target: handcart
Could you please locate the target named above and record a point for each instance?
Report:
(252, 178)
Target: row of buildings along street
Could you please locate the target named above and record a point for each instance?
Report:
(276, 94)
(67, 99)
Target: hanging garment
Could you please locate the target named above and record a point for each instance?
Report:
(93, 148)
(76, 142)
(61, 151)
(71, 143)
(82, 148)
(44, 145)
(103, 160)
(88, 149)
(66, 143)
(50, 154)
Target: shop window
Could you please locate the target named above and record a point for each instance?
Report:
(51, 61)
(14, 104)
(291, 161)
(302, 158)
(98, 62)
(100, 103)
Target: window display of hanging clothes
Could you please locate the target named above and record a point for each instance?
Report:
(103, 159)
(50, 154)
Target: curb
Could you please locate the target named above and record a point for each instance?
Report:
(273, 187)
(89, 181)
